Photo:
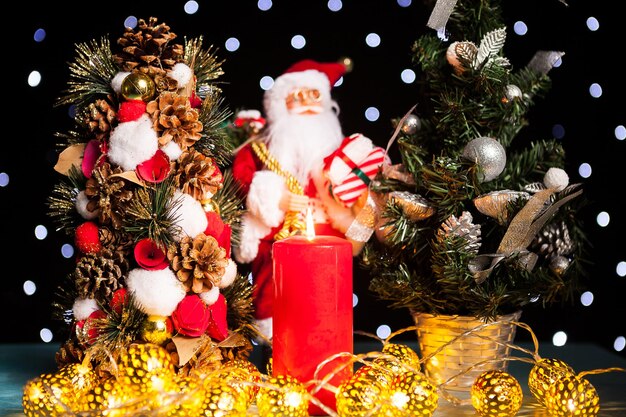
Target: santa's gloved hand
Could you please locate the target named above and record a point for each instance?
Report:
(294, 202)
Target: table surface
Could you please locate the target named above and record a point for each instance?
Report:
(21, 362)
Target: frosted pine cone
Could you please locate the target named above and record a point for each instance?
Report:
(199, 262)
(462, 227)
(198, 175)
(553, 240)
(174, 119)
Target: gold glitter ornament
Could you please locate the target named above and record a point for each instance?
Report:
(572, 395)
(96, 399)
(414, 206)
(188, 399)
(146, 367)
(284, 396)
(247, 374)
(156, 329)
(411, 124)
(544, 374)
(404, 354)
(496, 394)
(363, 394)
(138, 86)
(48, 395)
(412, 394)
(221, 399)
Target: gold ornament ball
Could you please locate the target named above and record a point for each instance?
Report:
(138, 86)
(48, 395)
(496, 394)
(572, 395)
(188, 397)
(544, 374)
(403, 358)
(413, 394)
(248, 374)
(284, 396)
(146, 367)
(411, 124)
(156, 330)
(96, 399)
(363, 394)
(222, 399)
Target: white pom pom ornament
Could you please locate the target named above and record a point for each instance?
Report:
(157, 292)
(190, 215)
(556, 178)
(81, 207)
(83, 307)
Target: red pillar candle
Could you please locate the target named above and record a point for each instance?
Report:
(312, 318)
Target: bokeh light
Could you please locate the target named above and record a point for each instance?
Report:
(298, 42)
(40, 35)
(372, 40)
(593, 24)
(46, 335)
(372, 114)
(29, 287)
(595, 90)
(34, 78)
(191, 7)
(407, 76)
(232, 44)
(264, 5)
(130, 22)
(603, 219)
(67, 251)
(586, 298)
(584, 170)
(334, 5)
(4, 179)
(520, 28)
(266, 82)
(620, 132)
(41, 232)
(355, 300)
(559, 338)
(383, 331)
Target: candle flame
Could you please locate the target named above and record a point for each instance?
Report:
(310, 226)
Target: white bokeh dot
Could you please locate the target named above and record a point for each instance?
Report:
(520, 28)
(404, 3)
(558, 131)
(355, 300)
(46, 335)
(29, 287)
(620, 269)
(595, 90)
(34, 78)
(407, 76)
(603, 219)
(41, 232)
(232, 44)
(191, 7)
(338, 82)
(372, 114)
(298, 42)
(584, 170)
(4, 179)
(40, 35)
(372, 40)
(266, 82)
(264, 5)
(593, 24)
(559, 338)
(130, 22)
(67, 251)
(586, 298)
(383, 331)
(334, 5)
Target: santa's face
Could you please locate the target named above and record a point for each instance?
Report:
(304, 101)
(308, 131)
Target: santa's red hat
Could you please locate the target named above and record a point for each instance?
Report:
(303, 74)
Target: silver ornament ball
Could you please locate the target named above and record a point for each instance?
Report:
(512, 92)
(488, 154)
(559, 265)
(411, 124)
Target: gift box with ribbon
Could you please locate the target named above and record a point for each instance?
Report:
(351, 168)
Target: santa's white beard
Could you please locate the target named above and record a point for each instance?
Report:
(300, 142)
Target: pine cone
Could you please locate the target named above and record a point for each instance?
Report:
(199, 262)
(149, 48)
(174, 119)
(108, 194)
(462, 227)
(553, 240)
(70, 352)
(197, 175)
(99, 275)
(98, 118)
(115, 240)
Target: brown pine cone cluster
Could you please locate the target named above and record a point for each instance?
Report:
(108, 194)
(116, 240)
(98, 118)
(199, 262)
(197, 175)
(174, 119)
(149, 48)
(99, 275)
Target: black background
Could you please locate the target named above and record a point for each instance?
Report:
(30, 120)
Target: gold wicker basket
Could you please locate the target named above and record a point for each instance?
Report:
(457, 357)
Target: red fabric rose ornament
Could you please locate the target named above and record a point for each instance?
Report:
(191, 317)
(218, 325)
(87, 330)
(149, 256)
(119, 299)
(219, 230)
(155, 169)
(87, 238)
(194, 101)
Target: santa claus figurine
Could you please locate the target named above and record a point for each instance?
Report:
(284, 172)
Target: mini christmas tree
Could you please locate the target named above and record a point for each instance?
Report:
(473, 222)
(155, 301)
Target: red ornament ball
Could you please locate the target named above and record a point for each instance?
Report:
(87, 238)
